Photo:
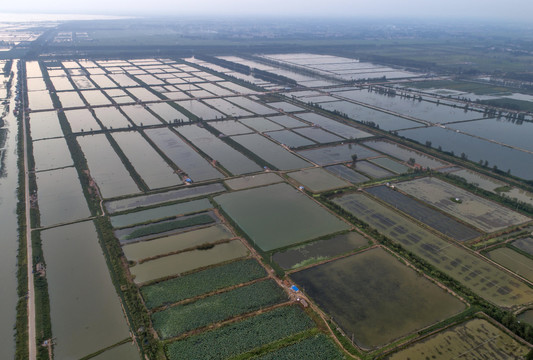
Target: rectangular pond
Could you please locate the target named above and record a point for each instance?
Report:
(60, 197)
(182, 155)
(105, 167)
(270, 152)
(160, 198)
(232, 160)
(155, 172)
(278, 215)
(187, 261)
(85, 310)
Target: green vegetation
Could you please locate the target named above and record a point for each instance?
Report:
(313, 348)
(171, 225)
(182, 318)
(512, 104)
(21, 324)
(243, 336)
(466, 86)
(43, 323)
(201, 282)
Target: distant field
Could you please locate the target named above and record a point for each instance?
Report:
(465, 86)
(484, 279)
(475, 339)
(385, 301)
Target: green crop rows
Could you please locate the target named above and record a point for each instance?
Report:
(182, 318)
(314, 348)
(246, 335)
(201, 282)
(171, 225)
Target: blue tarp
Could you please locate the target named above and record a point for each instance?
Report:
(295, 288)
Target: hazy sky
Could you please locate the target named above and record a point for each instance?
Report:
(504, 10)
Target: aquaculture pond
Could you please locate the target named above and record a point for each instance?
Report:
(159, 198)
(45, 125)
(483, 278)
(182, 155)
(159, 212)
(475, 149)
(105, 167)
(335, 154)
(245, 182)
(270, 152)
(231, 159)
(319, 250)
(278, 215)
(477, 337)
(155, 172)
(318, 180)
(175, 243)
(85, 310)
(60, 197)
(392, 299)
(187, 261)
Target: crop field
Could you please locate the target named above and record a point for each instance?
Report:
(159, 198)
(488, 281)
(472, 209)
(335, 154)
(237, 338)
(475, 339)
(187, 261)
(277, 215)
(525, 244)
(319, 250)
(347, 174)
(318, 180)
(318, 347)
(140, 250)
(392, 300)
(514, 261)
(161, 212)
(201, 282)
(424, 214)
(180, 319)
